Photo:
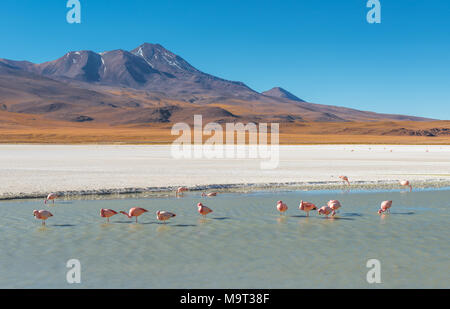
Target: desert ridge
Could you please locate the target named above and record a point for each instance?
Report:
(36, 129)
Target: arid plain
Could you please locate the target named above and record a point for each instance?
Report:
(33, 129)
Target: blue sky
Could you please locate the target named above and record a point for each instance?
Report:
(322, 51)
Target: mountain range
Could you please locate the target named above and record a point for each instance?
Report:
(150, 84)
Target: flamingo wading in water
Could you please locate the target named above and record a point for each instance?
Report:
(334, 205)
(406, 183)
(325, 210)
(282, 207)
(307, 207)
(51, 197)
(345, 179)
(385, 207)
(164, 215)
(42, 215)
(203, 210)
(134, 212)
(180, 191)
(107, 213)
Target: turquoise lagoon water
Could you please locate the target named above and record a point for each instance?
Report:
(245, 243)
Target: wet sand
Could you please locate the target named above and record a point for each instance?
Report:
(35, 170)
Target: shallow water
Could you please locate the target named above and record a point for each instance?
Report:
(245, 243)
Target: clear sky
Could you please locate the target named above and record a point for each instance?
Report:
(322, 51)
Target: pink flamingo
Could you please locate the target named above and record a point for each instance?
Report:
(385, 206)
(325, 210)
(406, 183)
(209, 194)
(134, 212)
(334, 205)
(345, 179)
(307, 207)
(282, 207)
(164, 215)
(106, 213)
(203, 210)
(42, 215)
(51, 197)
(180, 191)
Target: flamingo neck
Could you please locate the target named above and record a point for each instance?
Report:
(123, 212)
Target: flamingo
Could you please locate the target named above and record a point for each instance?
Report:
(385, 206)
(282, 207)
(334, 205)
(203, 210)
(134, 212)
(325, 210)
(180, 191)
(42, 215)
(406, 183)
(164, 215)
(345, 179)
(106, 213)
(307, 207)
(209, 194)
(51, 197)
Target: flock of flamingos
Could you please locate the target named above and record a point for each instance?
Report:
(331, 207)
